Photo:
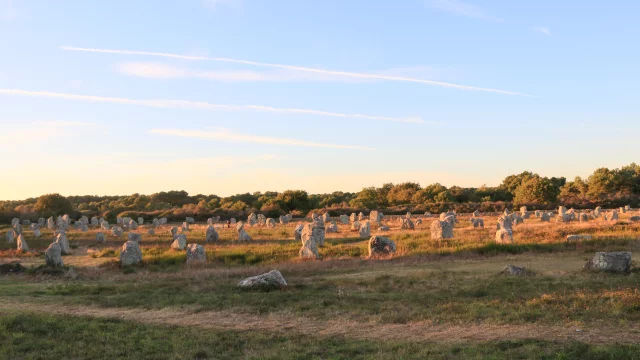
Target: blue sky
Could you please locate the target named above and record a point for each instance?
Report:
(457, 92)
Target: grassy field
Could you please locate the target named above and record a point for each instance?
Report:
(431, 300)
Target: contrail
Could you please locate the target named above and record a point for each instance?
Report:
(229, 136)
(186, 104)
(296, 68)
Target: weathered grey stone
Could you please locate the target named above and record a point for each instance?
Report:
(297, 233)
(517, 219)
(53, 255)
(11, 236)
(185, 227)
(271, 280)
(374, 217)
(64, 243)
(545, 216)
(612, 216)
(17, 229)
(22, 244)
(116, 231)
(634, 219)
(84, 220)
(271, 223)
(312, 236)
(477, 223)
(355, 226)
(252, 219)
(360, 216)
(562, 210)
(407, 224)
(242, 233)
(353, 217)
(42, 222)
(326, 218)
(597, 212)
(155, 222)
(26, 222)
(610, 261)
(105, 225)
(623, 210)
(173, 231)
(36, 233)
(135, 237)
(365, 230)
(332, 227)
(151, 232)
(94, 221)
(163, 221)
(284, 220)
(140, 221)
(513, 270)
(383, 228)
(51, 224)
(441, 230)
(211, 235)
(179, 242)
(344, 219)
(418, 222)
(262, 220)
(574, 237)
(476, 214)
(504, 236)
(190, 220)
(380, 246)
(583, 217)
(14, 222)
(130, 254)
(196, 254)
(100, 237)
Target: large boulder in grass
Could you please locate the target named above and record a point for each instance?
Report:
(53, 255)
(572, 238)
(380, 246)
(130, 254)
(196, 254)
(634, 219)
(513, 270)
(271, 280)
(619, 262)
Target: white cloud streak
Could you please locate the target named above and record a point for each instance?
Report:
(186, 104)
(235, 137)
(463, 9)
(357, 75)
(542, 30)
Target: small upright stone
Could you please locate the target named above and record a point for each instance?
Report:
(326, 218)
(22, 244)
(360, 216)
(196, 254)
(353, 217)
(135, 237)
(64, 243)
(270, 222)
(130, 254)
(151, 232)
(504, 236)
(344, 219)
(116, 231)
(332, 227)
(381, 246)
(365, 230)
(179, 242)
(53, 255)
(374, 217)
(297, 233)
(441, 230)
(100, 237)
(242, 233)
(211, 235)
(407, 224)
(173, 231)
(11, 236)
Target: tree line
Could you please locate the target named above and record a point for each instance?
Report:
(604, 187)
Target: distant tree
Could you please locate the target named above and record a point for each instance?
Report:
(402, 193)
(429, 194)
(602, 183)
(52, 205)
(291, 200)
(574, 189)
(536, 190)
(511, 182)
(367, 198)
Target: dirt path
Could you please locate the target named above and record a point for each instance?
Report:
(413, 332)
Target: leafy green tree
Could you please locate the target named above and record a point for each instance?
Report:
(53, 205)
(293, 200)
(536, 190)
(574, 189)
(402, 193)
(367, 198)
(602, 183)
(429, 193)
(511, 182)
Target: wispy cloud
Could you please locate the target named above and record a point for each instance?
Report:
(463, 9)
(186, 104)
(357, 75)
(542, 30)
(235, 137)
(40, 131)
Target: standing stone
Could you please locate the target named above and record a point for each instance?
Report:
(612, 216)
(380, 246)
(179, 242)
(477, 223)
(262, 220)
(476, 214)
(353, 217)
(53, 255)
(610, 261)
(105, 225)
(11, 236)
(297, 233)
(210, 221)
(211, 235)
(185, 227)
(18, 229)
(283, 220)
(407, 224)
(100, 237)
(344, 219)
(583, 217)
(130, 254)
(242, 233)
(360, 216)
(597, 211)
(374, 217)
(190, 220)
(383, 228)
(355, 226)
(133, 225)
(26, 222)
(545, 217)
(42, 222)
(332, 227)
(163, 221)
(311, 233)
(51, 224)
(94, 221)
(22, 244)
(134, 237)
(155, 223)
(562, 210)
(116, 231)
(517, 220)
(623, 210)
(84, 220)
(326, 218)
(36, 232)
(232, 221)
(196, 254)
(504, 236)
(140, 221)
(173, 231)
(271, 280)
(64, 243)
(151, 232)
(119, 220)
(14, 222)
(441, 230)
(252, 219)
(365, 229)
(271, 223)
(505, 222)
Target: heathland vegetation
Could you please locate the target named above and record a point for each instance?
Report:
(609, 188)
